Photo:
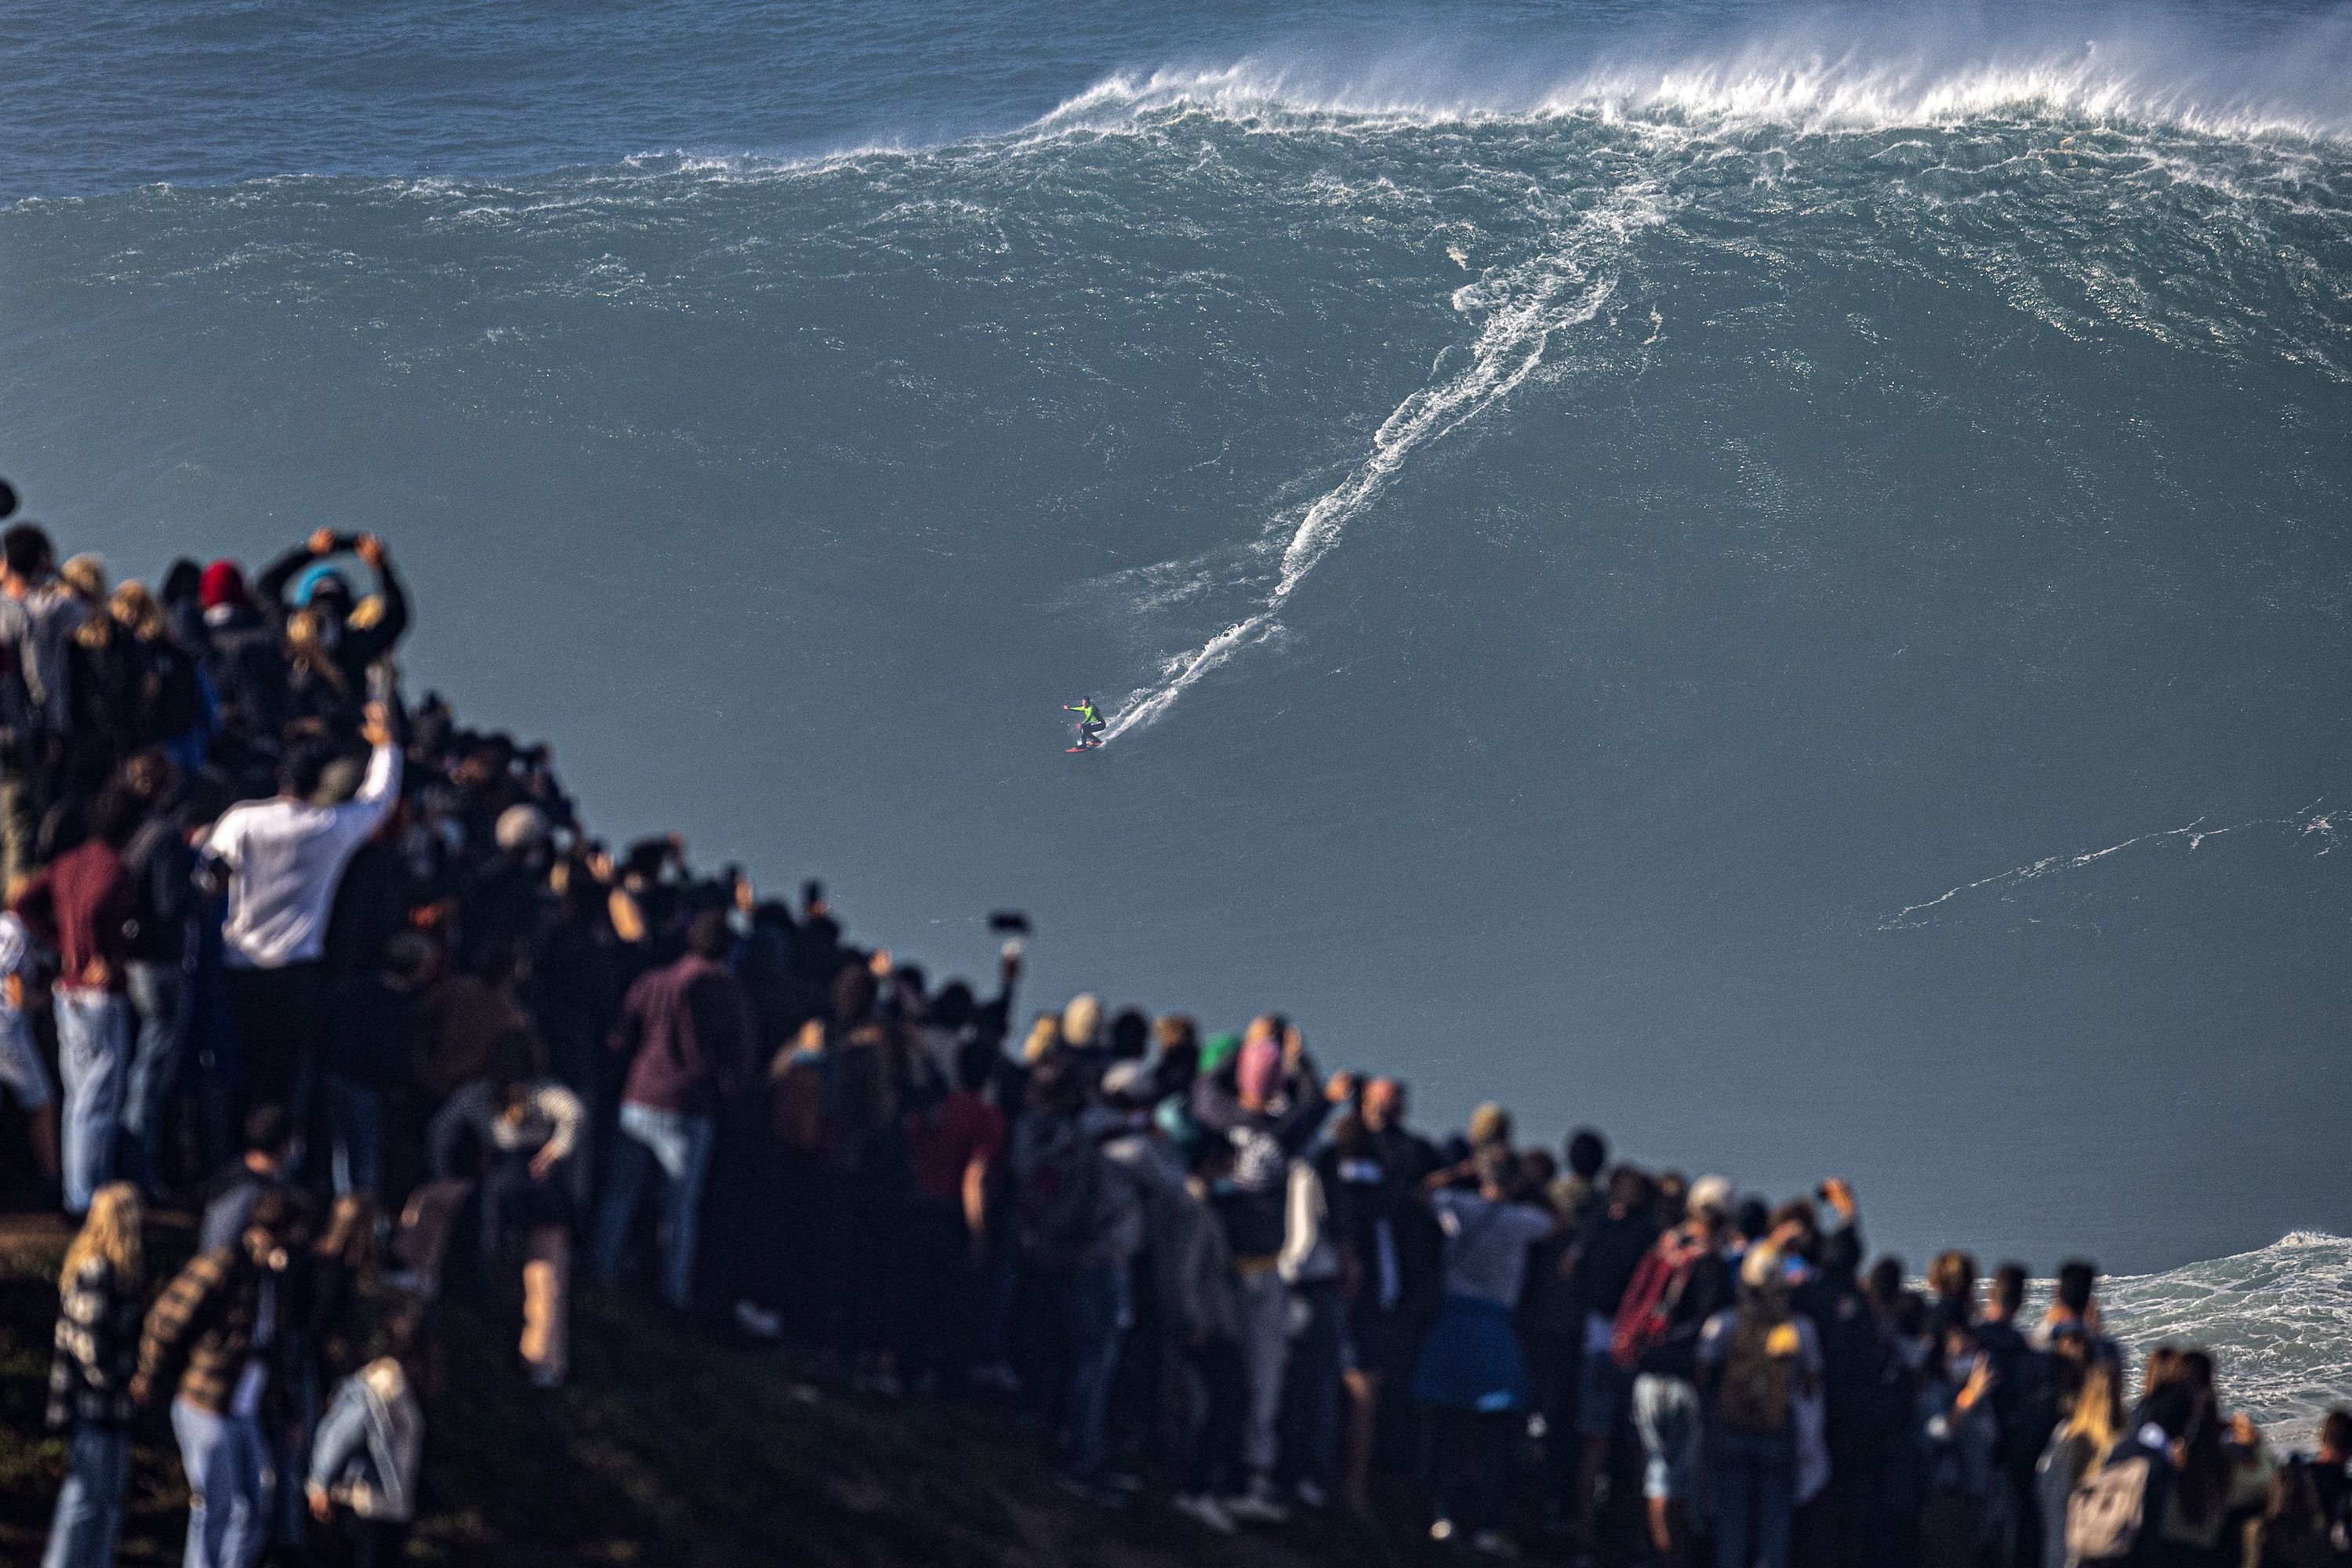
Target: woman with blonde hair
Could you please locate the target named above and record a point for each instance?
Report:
(1045, 1039)
(1082, 1022)
(101, 1290)
(2081, 1439)
(105, 686)
(86, 575)
(132, 684)
(169, 699)
(317, 686)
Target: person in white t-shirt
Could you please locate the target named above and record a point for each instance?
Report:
(285, 858)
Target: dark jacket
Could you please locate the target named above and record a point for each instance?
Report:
(687, 1028)
(229, 1197)
(1700, 1289)
(1254, 1208)
(161, 868)
(356, 648)
(1607, 1258)
(109, 696)
(248, 669)
(97, 1349)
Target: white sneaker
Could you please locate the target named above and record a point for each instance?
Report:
(1494, 1543)
(758, 1321)
(1208, 1512)
(1257, 1505)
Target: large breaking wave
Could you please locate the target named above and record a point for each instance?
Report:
(2055, 144)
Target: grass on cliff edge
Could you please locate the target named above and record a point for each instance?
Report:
(665, 1449)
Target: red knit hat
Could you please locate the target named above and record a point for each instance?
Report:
(222, 584)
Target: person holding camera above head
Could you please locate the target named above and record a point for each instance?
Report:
(340, 640)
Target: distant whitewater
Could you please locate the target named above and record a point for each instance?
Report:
(2280, 1319)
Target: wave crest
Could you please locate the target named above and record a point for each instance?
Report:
(1810, 89)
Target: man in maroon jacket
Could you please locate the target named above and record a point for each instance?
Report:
(689, 1031)
(81, 904)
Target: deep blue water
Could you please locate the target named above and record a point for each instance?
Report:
(1641, 554)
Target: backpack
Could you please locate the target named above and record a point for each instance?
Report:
(1758, 1378)
(1647, 1311)
(2108, 1512)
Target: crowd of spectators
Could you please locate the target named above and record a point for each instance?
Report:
(355, 984)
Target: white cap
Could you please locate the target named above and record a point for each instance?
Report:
(520, 828)
(1712, 1195)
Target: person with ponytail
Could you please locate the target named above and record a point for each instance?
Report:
(100, 1289)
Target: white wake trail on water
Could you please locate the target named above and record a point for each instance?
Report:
(1531, 304)
(2305, 823)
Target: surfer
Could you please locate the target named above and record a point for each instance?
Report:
(1090, 723)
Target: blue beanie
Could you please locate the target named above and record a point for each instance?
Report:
(313, 578)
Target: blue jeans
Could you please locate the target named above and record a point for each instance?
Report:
(159, 996)
(229, 1484)
(1096, 1312)
(1755, 1500)
(680, 1145)
(93, 1059)
(1674, 1437)
(354, 1132)
(90, 1508)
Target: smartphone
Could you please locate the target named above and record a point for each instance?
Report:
(1009, 920)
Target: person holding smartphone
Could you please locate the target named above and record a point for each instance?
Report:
(1962, 1514)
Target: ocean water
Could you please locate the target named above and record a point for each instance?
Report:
(1777, 583)
(2276, 1315)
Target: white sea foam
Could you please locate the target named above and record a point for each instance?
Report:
(2278, 1319)
(1809, 86)
(1520, 314)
